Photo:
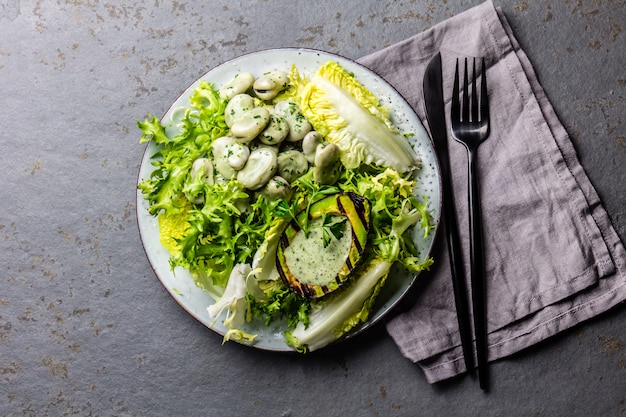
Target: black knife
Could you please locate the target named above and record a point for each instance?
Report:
(435, 114)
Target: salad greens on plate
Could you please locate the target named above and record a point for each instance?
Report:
(288, 197)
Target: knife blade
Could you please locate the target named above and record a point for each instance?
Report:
(435, 115)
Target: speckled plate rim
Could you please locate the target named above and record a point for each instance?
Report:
(179, 283)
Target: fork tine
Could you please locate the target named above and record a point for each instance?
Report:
(474, 107)
(466, 109)
(455, 109)
(484, 101)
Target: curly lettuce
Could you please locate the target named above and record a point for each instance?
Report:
(200, 125)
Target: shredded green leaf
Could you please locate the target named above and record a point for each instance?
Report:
(198, 128)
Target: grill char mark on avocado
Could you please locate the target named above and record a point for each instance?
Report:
(357, 211)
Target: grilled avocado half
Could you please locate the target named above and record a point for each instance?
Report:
(312, 267)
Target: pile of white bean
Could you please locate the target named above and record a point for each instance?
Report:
(271, 143)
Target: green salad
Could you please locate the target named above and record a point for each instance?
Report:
(288, 197)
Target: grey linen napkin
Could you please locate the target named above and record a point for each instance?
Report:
(552, 257)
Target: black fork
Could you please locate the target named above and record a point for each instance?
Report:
(470, 126)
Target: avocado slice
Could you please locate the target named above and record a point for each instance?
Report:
(311, 268)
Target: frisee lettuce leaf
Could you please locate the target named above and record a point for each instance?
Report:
(200, 125)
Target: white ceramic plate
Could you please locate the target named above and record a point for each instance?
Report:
(179, 283)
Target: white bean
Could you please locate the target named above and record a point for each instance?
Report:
(292, 164)
(327, 164)
(238, 155)
(299, 126)
(309, 145)
(277, 187)
(237, 105)
(267, 86)
(248, 126)
(261, 166)
(221, 150)
(275, 132)
(201, 170)
(240, 83)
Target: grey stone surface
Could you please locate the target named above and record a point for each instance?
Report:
(85, 326)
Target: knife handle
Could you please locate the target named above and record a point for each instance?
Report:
(458, 275)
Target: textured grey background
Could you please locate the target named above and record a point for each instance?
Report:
(85, 326)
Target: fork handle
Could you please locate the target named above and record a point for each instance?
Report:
(477, 268)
